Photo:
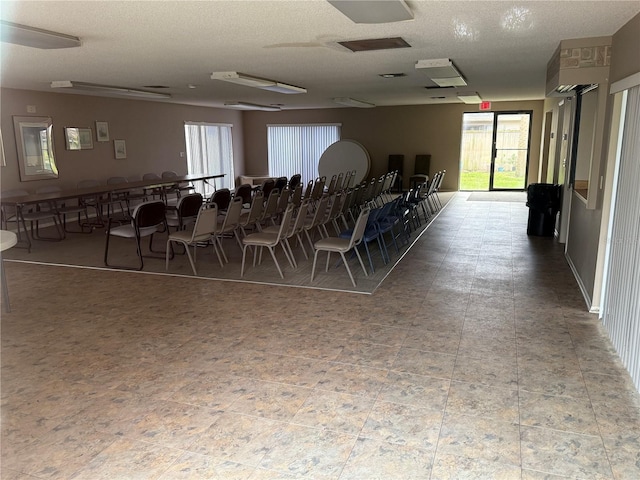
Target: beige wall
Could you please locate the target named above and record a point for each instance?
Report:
(408, 130)
(625, 59)
(153, 131)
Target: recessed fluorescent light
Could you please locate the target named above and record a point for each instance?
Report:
(256, 82)
(94, 87)
(442, 72)
(35, 37)
(374, 11)
(352, 102)
(392, 75)
(284, 88)
(251, 106)
(450, 82)
(469, 97)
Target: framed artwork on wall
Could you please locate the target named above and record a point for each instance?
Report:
(78, 138)
(102, 131)
(120, 148)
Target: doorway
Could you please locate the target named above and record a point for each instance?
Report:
(494, 152)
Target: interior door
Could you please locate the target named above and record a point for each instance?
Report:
(510, 157)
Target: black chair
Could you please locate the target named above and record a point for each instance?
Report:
(420, 170)
(294, 181)
(146, 219)
(244, 191)
(281, 182)
(222, 198)
(185, 212)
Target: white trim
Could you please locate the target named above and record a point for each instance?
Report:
(585, 293)
(304, 124)
(626, 83)
(209, 124)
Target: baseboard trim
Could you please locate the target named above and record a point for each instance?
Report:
(583, 289)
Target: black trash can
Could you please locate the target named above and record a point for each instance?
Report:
(543, 200)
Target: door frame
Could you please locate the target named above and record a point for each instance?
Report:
(494, 149)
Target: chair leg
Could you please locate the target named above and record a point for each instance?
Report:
(273, 255)
(244, 254)
(313, 268)
(361, 262)
(344, 260)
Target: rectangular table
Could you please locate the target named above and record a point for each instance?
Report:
(20, 201)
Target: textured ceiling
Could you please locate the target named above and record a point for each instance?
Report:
(501, 47)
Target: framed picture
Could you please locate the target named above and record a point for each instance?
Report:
(102, 131)
(34, 140)
(120, 148)
(78, 138)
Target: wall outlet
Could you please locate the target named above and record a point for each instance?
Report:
(181, 154)
(31, 109)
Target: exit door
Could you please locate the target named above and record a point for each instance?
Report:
(494, 154)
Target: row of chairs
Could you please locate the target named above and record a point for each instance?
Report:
(255, 230)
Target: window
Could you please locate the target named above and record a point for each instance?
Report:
(298, 148)
(210, 151)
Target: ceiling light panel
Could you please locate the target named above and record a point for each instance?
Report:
(35, 37)
(469, 97)
(94, 87)
(252, 106)
(257, 82)
(352, 102)
(374, 11)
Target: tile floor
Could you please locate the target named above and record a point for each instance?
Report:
(474, 359)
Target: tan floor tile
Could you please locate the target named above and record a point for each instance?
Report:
(563, 453)
(374, 459)
(483, 401)
(479, 438)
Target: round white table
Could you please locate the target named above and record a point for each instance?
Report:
(7, 240)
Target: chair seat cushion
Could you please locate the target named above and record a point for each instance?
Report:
(260, 239)
(127, 231)
(335, 244)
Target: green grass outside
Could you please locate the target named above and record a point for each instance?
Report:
(480, 180)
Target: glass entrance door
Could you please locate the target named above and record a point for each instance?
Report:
(494, 154)
(510, 157)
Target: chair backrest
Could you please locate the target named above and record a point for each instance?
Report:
(296, 196)
(283, 200)
(48, 189)
(257, 206)
(301, 216)
(271, 207)
(440, 180)
(222, 198)
(244, 191)
(286, 222)
(339, 181)
(169, 174)
(318, 188)
(14, 193)
(189, 205)
(116, 180)
(332, 184)
(232, 218)
(294, 181)
(360, 227)
(87, 183)
(151, 176)
(281, 183)
(320, 213)
(309, 189)
(149, 214)
(336, 206)
(268, 185)
(206, 222)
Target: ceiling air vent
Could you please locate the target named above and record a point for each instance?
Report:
(368, 45)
